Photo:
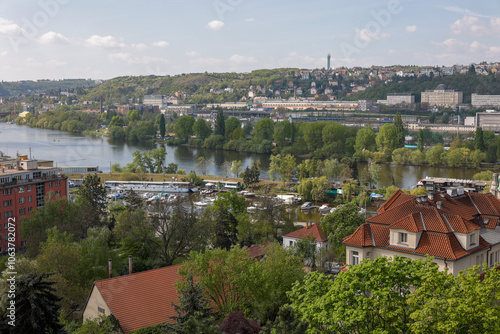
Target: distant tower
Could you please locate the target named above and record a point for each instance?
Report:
(328, 62)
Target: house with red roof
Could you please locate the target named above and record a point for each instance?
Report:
(313, 230)
(459, 229)
(137, 300)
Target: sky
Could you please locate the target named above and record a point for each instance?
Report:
(102, 39)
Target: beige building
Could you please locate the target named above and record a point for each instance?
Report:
(488, 121)
(485, 100)
(398, 98)
(459, 231)
(442, 97)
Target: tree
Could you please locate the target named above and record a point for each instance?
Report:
(365, 140)
(287, 168)
(387, 139)
(183, 127)
(231, 125)
(420, 141)
(226, 167)
(133, 116)
(375, 172)
(101, 325)
(434, 155)
(162, 126)
(236, 323)
(93, 192)
(340, 223)
(400, 130)
(479, 140)
(236, 167)
(378, 294)
(192, 303)
(202, 165)
(227, 276)
(200, 129)
(264, 130)
(274, 167)
(286, 322)
(283, 133)
(227, 211)
(220, 125)
(37, 306)
(463, 304)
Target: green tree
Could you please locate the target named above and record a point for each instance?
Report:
(274, 167)
(183, 127)
(227, 211)
(162, 126)
(340, 223)
(231, 125)
(264, 130)
(400, 130)
(479, 140)
(101, 325)
(203, 164)
(236, 167)
(365, 140)
(287, 168)
(133, 116)
(220, 125)
(434, 155)
(283, 132)
(192, 303)
(201, 129)
(420, 140)
(313, 135)
(387, 139)
(37, 305)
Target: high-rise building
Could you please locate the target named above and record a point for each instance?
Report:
(24, 187)
(328, 62)
(442, 97)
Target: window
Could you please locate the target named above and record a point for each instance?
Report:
(50, 184)
(58, 193)
(30, 209)
(291, 243)
(101, 310)
(22, 211)
(22, 200)
(29, 188)
(5, 226)
(355, 258)
(492, 257)
(21, 190)
(7, 191)
(472, 239)
(403, 238)
(30, 199)
(7, 203)
(7, 214)
(58, 183)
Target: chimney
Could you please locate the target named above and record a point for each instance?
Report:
(430, 197)
(439, 205)
(110, 265)
(130, 264)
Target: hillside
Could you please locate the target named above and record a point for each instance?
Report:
(16, 88)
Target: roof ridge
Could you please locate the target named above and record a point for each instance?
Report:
(422, 220)
(447, 222)
(137, 273)
(473, 203)
(371, 235)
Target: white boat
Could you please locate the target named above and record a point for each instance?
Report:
(325, 208)
(156, 187)
(247, 194)
(306, 206)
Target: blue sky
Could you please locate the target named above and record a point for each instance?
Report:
(101, 39)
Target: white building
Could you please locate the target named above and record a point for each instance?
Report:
(485, 100)
(315, 231)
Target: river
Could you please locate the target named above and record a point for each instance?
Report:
(67, 149)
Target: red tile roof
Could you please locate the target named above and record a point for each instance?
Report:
(315, 230)
(142, 299)
(457, 215)
(258, 251)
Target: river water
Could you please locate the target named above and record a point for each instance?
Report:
(78, 150)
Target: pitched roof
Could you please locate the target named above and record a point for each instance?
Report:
(141, 299)
(362, 236)
(397, 198)
(258, 251)
(315, 230)
(410, 223)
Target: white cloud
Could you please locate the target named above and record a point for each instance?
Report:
(52, 37)
(130, 59)
(4, 53)
(366, 35)
(469, 25)
(55, 63)
(238, 60)
(455, 45)
(140, 46)
(7, 27)
(250, 20)
(192, 54)
(411, 28)
(160, 44)
(465, 11)
(105, 42)
(216, 25)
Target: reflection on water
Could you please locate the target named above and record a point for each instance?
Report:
(78, 150)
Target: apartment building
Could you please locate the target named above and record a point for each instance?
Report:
(479, 101)
(442, 97)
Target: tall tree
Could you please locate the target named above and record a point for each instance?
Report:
(400, 130)
(37, 306)
(387, 139)
(220, 125)
(287, 168)
(264, 130)
(200, 129)
(365, 140)
(236, 167)
(227, 211)
(231, 125)
(479, 140)
(420, 140)
(162, 125)
(202, 165)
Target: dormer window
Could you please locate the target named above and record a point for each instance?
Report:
(403, 238)
(472, 239)
(486, 221)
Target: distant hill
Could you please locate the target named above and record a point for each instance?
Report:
(466, 83)
(16, 88)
